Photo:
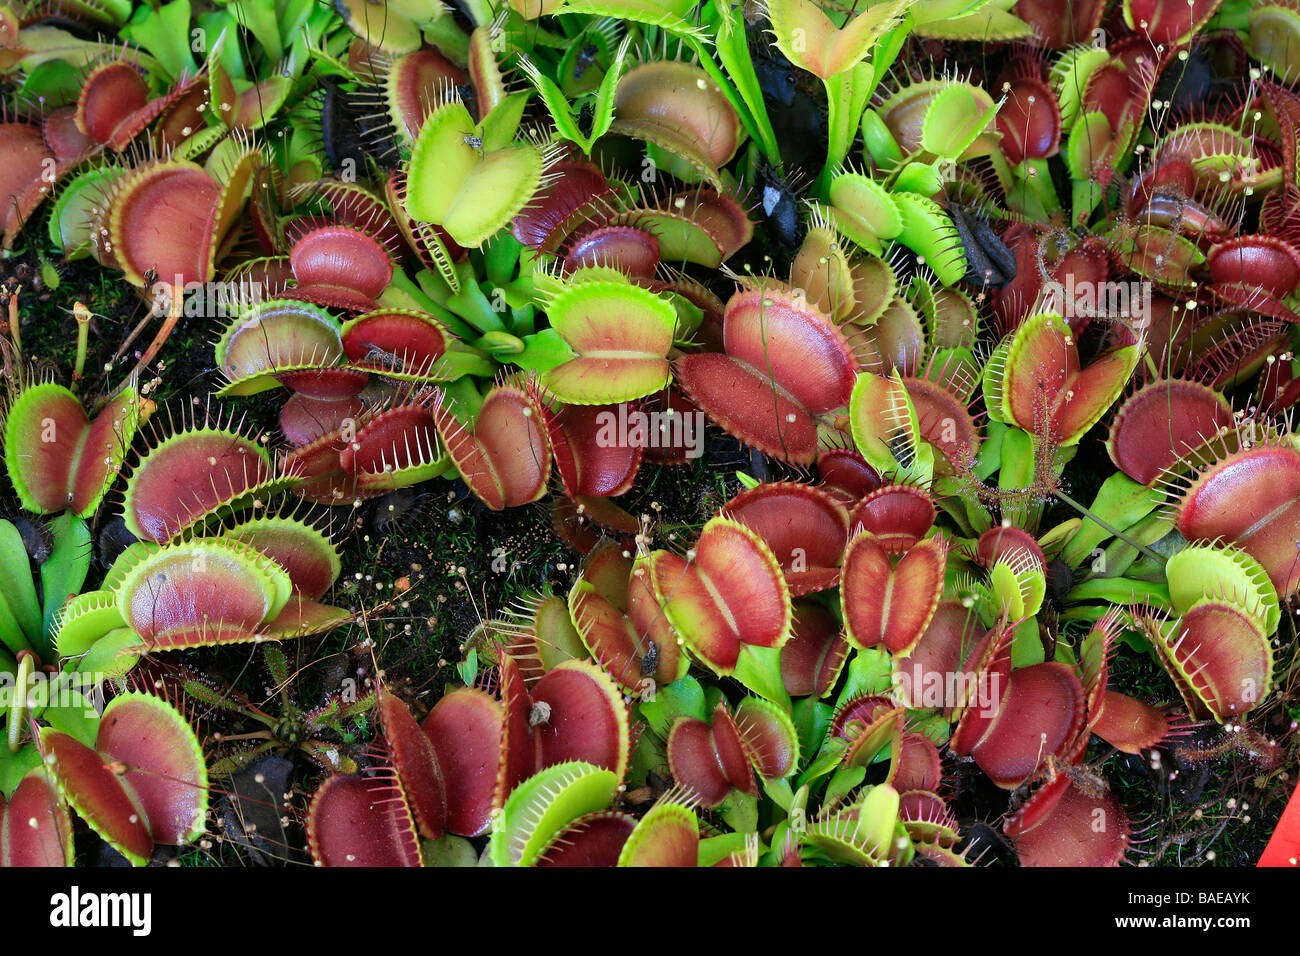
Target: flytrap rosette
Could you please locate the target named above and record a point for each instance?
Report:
(785, 364)
(712, 759)
(505, 458)
(728, 601)
(160, 796)
(58, 457)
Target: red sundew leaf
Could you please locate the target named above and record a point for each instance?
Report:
(506, 459)
(304, 420)
(1222, 657)
(898, 516)
(35, 829)
(574, 193)
(97, 794)
(1257, 262)
(1163, 421)
(24, 160)
(160, 221)
(1081, 829)
(588, 455)
(811, 660)
(788, 340)
(1168, 21)
(846, 475)
(732, 594)
(416, 764)
(917, 766)
(587, 719)
(732, 755)
(1128, 724)
(594, 839)
(465, 727)
(693, 761)
(109, 95)
(768, 741)
(190, 476)
(409, 343)
(167, 776)
(949, 638)
(633, 252)
(340, 266)
(1041, 712)
(806, 529)
(361, 821)
(1029, 120)
(888, 604)
(746, 404)
(1061, 23)
(1251, 499)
